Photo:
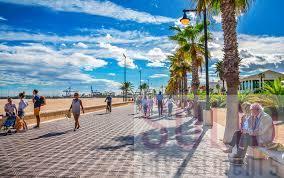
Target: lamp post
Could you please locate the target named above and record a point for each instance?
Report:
(140, 71)
(185, 21)
(124, 92)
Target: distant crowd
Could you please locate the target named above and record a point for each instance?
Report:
(145, 104)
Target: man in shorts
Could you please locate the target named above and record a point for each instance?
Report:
(108, 100)
(37, 105)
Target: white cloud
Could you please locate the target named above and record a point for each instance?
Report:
(94, 7)
(158, 76)
(118, 53)
(81, 45)
(217, 18)
(156, 64)
(2, 19)
(111, 74)
(257, 52)
(36, 64)
(157, 55)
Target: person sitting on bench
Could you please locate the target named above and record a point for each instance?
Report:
(260, 131)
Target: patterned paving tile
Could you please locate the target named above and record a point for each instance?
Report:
(119, 144)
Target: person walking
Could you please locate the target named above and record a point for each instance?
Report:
(21, 109)
(170, 102)
(150, 104)
(160, 98)
(108, 100)
(145, 106)
(37, 105)
(76, 107)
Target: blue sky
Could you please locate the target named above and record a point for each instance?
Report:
(51, 45)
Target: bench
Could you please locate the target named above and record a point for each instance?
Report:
(264, 153)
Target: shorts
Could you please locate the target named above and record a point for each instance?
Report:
(36, 111)
(21, 114)
(76, 114)
(145, 107)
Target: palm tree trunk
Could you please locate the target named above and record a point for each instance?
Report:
(185, 84)
(195, 86)
(231, 69)
(185, 88)
(223, 87)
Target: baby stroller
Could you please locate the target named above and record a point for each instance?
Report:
(8, 123)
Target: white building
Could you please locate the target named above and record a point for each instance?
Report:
(253, 82)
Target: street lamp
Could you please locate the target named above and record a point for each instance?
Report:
(185, 21)
(140, 71)
(124, 92)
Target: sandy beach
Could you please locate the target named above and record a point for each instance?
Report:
(58, 104)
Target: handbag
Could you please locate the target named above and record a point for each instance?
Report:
(68, 115)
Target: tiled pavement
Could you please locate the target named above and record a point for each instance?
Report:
(119, 144)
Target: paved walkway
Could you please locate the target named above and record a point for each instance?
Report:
(119, 144)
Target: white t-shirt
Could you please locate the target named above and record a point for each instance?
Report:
(22, 105)
(246, 123)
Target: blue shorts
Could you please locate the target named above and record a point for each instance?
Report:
(21, 114)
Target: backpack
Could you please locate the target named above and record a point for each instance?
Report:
(42, 101)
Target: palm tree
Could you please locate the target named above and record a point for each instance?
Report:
(125, 87)
(191, 45)
(180, 65)
(218, 87)
(144, 87)
(220, 73)
(229, 10)
(274, 88)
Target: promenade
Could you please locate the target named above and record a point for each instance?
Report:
(122, 144)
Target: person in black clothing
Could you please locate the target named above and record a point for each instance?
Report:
(108, 100)
(37, 105)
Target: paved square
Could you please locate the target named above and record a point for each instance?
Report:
(119, 144)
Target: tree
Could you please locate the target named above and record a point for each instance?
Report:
(218, 87)
(191, 44)
(220, 73)
(180, 65)
(229, 10)
(125, 87)
(274, 88)
(144, 87)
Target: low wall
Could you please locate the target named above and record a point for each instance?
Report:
(219, 116)
(30, 118)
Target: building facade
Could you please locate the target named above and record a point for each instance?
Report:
(256, 82)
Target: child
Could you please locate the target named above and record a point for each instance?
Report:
(21, 109)
(75, 106)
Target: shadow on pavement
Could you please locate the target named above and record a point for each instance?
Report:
(101, 114)
(189, 156)
(52, 134)
(125, 141)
